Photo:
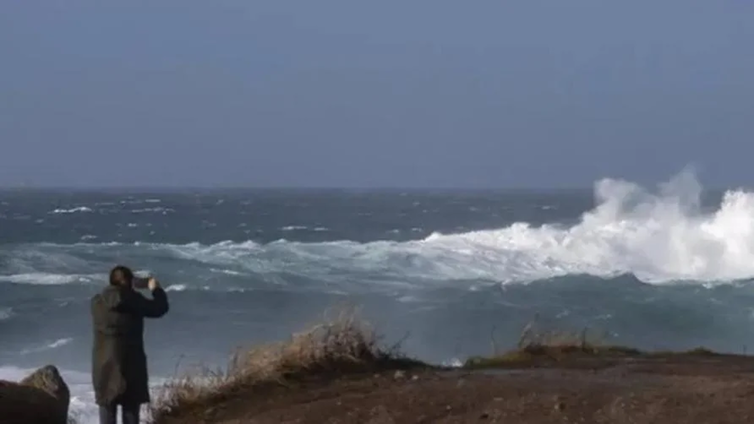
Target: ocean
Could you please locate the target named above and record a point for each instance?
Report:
(445, 271)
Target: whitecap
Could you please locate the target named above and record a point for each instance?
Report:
(294, 228)
(243, 290)
(44, 279)
(47, 346)
(176, 288)
(226, 271)
(73, 210)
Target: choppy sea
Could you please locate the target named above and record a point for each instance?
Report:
(665, 267)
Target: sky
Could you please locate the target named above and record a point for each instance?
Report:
(389, 93)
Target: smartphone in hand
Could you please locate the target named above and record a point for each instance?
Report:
(140, 283)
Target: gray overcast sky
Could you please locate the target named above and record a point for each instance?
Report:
(384, 93)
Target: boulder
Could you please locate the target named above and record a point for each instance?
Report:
(41, 398)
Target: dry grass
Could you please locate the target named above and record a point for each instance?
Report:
(536, 344)
(343, 344)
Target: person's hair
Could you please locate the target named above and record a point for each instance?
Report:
(120, 275)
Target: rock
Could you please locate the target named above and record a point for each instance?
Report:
(484, 416)
(48, 379)
(399, 375)
(41, 398)
(415, 378)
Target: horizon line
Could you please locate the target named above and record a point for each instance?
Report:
(281, 187)
(310, 188)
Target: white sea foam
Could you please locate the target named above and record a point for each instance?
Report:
(294, 228)
(42, 278)
(47, 346)
(73, 210)
(176, 288)
(10, 373)
(226, 271)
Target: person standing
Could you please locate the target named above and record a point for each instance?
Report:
(119, 363)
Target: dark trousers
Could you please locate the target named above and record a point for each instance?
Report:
(128, 414)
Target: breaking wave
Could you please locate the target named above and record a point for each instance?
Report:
(659, 236)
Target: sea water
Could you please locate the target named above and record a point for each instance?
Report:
(446, 271)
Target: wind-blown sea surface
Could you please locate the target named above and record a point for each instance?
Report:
(665, 268)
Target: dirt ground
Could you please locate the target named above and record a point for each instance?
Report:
(687, 390)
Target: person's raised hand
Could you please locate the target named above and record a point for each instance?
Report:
(153, 284)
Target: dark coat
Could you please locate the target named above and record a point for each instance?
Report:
(119, 364)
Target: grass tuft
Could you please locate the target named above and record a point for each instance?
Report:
(341, 345)
(539, 347)
(535, 345)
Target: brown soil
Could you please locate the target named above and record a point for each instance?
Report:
(670, 389)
